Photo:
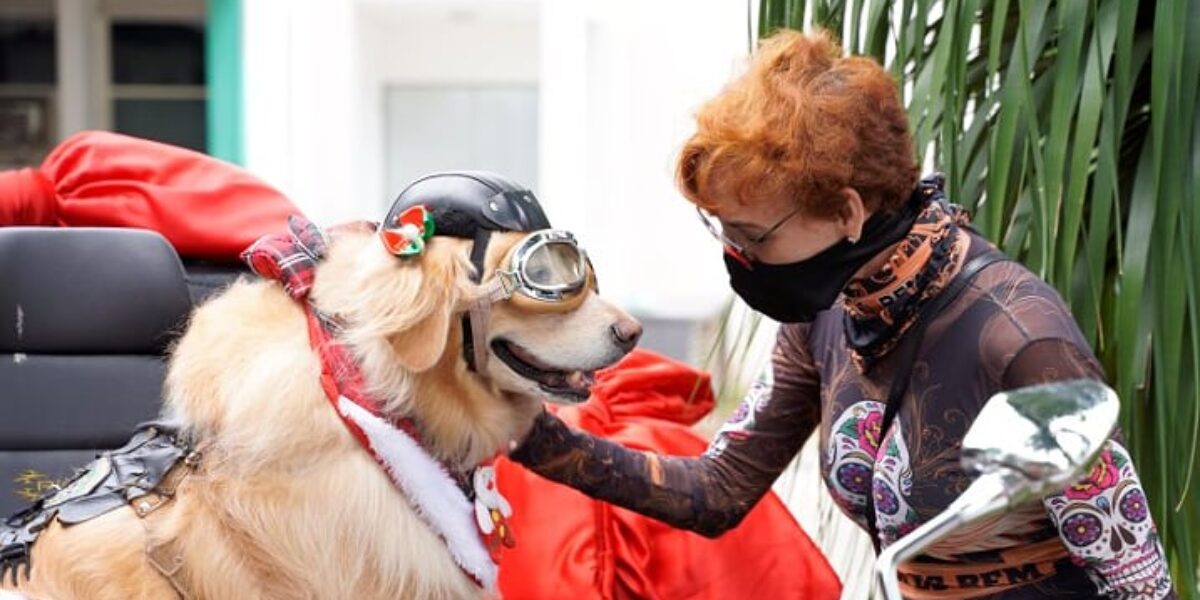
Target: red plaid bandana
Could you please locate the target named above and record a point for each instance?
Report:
(290, 258)
(465, 509)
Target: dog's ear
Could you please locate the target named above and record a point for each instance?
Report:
(419, 338)
(405, 303)
(419, 347)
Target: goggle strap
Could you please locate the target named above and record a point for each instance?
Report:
(479, 321)
(477, 317)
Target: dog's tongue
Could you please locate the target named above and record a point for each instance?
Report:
(580, 381)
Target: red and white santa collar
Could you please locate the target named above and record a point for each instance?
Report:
(465, 509)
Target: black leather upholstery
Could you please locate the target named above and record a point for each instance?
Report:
(205, 279)
(57, 402)
(88, 291)
(86, 317)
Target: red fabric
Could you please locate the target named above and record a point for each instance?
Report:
(206, 208)
(289, 258)
(570, 546)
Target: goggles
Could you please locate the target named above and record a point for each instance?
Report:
(547, 270)
(546, 265)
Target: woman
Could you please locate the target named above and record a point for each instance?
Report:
(805, 170)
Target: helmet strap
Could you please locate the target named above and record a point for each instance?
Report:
(474, 323)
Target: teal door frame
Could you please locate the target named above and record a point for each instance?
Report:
(223, 62)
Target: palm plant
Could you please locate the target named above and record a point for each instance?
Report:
(1070, 129)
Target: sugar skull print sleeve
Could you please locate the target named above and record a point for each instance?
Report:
(1104, 519)
(709, 494)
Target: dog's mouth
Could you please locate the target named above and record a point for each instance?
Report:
(571, 384)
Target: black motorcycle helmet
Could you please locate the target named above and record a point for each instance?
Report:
(465, 202)
(472, 205)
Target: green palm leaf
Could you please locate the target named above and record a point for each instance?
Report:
(1072, 129)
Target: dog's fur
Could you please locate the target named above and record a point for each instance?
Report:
(285, 503)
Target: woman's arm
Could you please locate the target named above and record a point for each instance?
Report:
(1104, 520)
(708, 494)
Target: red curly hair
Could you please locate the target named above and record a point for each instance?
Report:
(802, 123)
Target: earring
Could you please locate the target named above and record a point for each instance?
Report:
(853, 239)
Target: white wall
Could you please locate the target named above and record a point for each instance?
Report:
(315, 71)
(300, 86)
(620, 82)
(440, 43)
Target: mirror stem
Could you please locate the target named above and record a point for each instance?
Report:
(986, 495)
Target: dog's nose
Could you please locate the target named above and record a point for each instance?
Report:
(627, 332)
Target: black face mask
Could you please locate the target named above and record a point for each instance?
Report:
(796, 292)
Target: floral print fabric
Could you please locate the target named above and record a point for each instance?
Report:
(859, 467)
(1105, 521)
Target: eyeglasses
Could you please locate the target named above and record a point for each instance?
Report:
(739, 250)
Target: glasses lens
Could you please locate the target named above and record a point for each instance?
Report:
(555, 265)
(714, 227)
(711, 223)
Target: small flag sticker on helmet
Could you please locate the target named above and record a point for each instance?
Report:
(407, 234)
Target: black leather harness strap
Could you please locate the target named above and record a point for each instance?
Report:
(143, 474)
(906, 356)
(164, 554)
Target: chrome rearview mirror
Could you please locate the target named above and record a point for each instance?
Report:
(1048, 433)
(1025, 444)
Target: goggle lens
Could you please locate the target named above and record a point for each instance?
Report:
(555, 266)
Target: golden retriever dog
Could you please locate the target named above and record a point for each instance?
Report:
(284, 502)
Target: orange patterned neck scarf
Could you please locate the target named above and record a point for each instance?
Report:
(882, 306)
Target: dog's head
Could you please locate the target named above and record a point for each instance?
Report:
(551, 349)
(404, 319)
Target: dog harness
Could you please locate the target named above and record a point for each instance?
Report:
(143, 474)
(465, 509)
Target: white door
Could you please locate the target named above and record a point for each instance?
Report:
(442, 128)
